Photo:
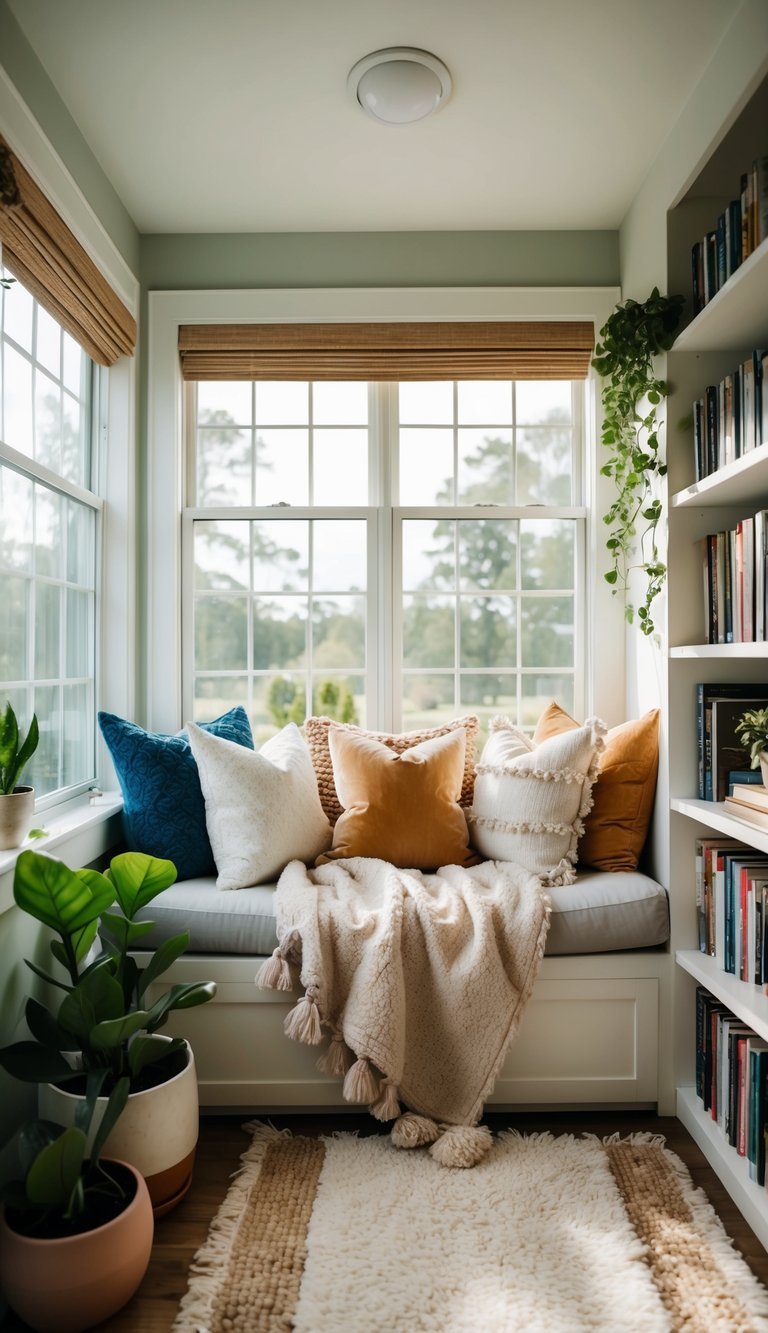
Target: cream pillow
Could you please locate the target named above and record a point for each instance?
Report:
(530, 799)
(261, 813)
(400, 807)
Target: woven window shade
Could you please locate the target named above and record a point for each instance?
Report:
(527, 350)
(40, 250)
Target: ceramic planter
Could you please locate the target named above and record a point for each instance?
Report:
(157, 1132)
(16, 814)
(763, 757)
(64, 1285)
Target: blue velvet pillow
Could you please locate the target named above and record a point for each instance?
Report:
(163, 804)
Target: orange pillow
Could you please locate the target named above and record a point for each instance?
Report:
(401, 808)
(316, 731)
(617, 826)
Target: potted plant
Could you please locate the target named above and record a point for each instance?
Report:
(17, 804)
(104, 1030)
(752, 731)
(75, 1229)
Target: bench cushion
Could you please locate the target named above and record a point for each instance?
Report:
(601, 911)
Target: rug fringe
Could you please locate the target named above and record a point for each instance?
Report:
(210, 1261)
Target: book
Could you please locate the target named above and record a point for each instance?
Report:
(745, 812)
(754, 794)
(757, 1079)
(741, 695)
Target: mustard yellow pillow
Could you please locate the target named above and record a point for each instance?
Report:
(316, 730)
(399, 807)
(617, 826)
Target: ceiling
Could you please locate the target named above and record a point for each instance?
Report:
(233, 115)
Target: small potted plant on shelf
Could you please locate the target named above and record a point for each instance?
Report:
(75, 1229)
(17, 804)
(104, 1030)
(752, 730)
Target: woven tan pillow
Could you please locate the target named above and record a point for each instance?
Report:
(400, 807)
(316, 734)
(617, 826)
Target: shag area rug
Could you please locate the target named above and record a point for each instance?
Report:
(546, 1235)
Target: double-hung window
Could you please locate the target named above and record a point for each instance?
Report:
(48, 540)
(394, 554)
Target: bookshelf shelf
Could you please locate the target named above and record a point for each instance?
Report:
(749, 1197)
(737, 483)
(746, 1001)
(736, 318)
(736, 651)
(713, 815)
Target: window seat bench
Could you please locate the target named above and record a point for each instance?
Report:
(589, 1036)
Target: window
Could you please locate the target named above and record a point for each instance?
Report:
(392, 554)
(48, 539)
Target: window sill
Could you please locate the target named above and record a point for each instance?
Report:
(78, 832)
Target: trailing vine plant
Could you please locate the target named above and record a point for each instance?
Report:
(632, 336)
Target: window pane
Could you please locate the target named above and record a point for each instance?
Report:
(224, 464)
(429, 554)
(488, 632)
(225, 401)
(485, 402)
(74, 443)
(338, 633)
(74, 366)
(215, 695)
(47, 631)
(426, 404)
(339, 697)
(539, 691)
(16, 528)
(547, 554)
(488, 695)
(49, 549)
(277, 701)
(340, 558)
(81, 526)
(221, 633)
(337, 403)
(544, 473)
(282, 403)
(543, 402)
(222, 555)
(17, 401)
(426, 467)
(18, 306)
(279, 632)
(47, 422)
(340, 467)
(280, 555)
(488, 553)
(547, 631)
(486, 467)
(44, 772)
(13, 628)
(79, 634)
(77, 707)
(428, 700)
(48, 342)
(282, 467)
(429, 631)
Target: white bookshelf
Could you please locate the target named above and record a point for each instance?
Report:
(729, 327)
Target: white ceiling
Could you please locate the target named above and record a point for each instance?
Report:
(233, 115)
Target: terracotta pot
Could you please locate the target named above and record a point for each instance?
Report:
(62, 1286)
(16, 814)
(157, 1132)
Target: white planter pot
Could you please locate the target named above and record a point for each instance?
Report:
(763, 757)
(157, 1132)
(16, 814)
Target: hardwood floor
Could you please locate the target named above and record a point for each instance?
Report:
(222, 1141)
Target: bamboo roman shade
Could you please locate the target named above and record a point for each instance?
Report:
(554, 350)
(40, 250)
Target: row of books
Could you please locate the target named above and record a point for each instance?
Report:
(732, 907)
(739, 229)
(734, 565)
(722, 759)
(748, 800)
(732, 1079)
(732, 417)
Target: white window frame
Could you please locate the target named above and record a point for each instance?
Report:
(166, 466)
(74, 825)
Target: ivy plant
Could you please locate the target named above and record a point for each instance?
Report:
(632, 336)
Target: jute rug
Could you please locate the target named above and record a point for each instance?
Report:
(546, 1235)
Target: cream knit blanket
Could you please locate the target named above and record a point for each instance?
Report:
(424, 976)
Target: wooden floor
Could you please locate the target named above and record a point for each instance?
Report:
(222, 1141)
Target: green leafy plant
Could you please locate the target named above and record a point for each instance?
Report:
(752, 731)
(633, 335)
(65, 1187)
(103, 1017)
(14, 756)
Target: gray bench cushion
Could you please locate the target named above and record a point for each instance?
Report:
(600, 912)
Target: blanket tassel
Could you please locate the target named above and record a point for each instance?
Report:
(337, 1059)
(461, 1146)
(303, 1022)
(361, 1084)
(413, 1131)
(387, 1107)
(275, 974)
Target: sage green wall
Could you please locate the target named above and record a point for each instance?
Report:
(380, 259)
(36, 89)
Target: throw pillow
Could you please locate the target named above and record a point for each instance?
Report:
(261, 807)
(616, 828)
(403, 806)
(530, 799)
(163, 806)
(316, 730)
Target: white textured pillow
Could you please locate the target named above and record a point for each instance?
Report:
(262, 807)
(530, 799)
